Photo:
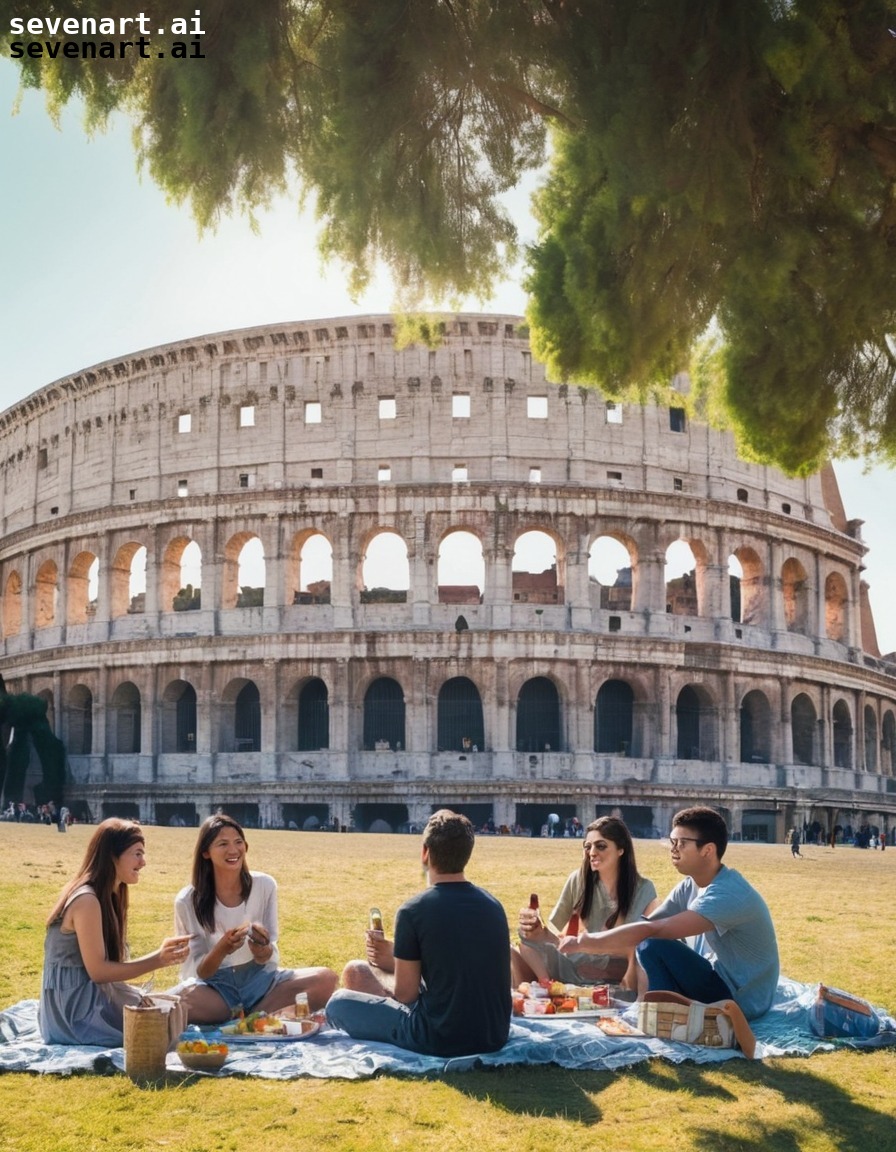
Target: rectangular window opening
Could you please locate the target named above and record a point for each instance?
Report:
(537, 407)
(614, 412)
(460, 406)
(677, 420)
(384, 473)
(184, 422)
(387, 408)
(317, 473)
(247, 416)
(313, 412)
(534, 475)
(183, 489)
(459, 472)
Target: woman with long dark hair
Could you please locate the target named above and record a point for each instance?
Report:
(83, 990)
(230, 914)
(605, 890)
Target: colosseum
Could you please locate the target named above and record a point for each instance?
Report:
(319, 580)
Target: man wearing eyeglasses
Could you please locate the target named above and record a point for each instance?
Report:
(712, 938)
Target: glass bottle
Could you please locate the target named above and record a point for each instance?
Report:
(376, 920)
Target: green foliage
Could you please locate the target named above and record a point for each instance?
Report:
(719, 171)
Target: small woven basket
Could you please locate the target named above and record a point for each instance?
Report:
(145, 1043)
(699, 1024)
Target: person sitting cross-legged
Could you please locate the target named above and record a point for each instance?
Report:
(442, 987)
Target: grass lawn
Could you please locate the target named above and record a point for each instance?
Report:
(832, 911)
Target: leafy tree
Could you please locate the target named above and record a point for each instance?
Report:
(720, 198)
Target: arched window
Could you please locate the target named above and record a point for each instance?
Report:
(835, 598)
(309, 575)
(460, 724)
(614, 718)
(247, 719)
(384, 715)
(538, 716)
(124, 719)
(747, 587)
(795, 591)
(804, 729)
(127, 580)
(12, 605)
(243, 583)
(888, 744)
(385, 571)
(82, 588)
(46, 594)
(78, 719)
(461, 569)
(314, 717)
(682, 591)
(535, 569)
(842, 726)
(755, 729)
(610, 567)
(178, 716)
(694, 721)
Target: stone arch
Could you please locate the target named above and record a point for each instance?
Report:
(384, 572)
(46, 594)
(384, 715)
(870, 733)
(460, 725)
(538, 722)
(841, 723)
(755, 728)
(81, 581)
(240, 728)
(685, 575)
(614, 709)
(795, 594)
(748, 588)
(124, 713)
(77, 720)
(243, 562)
(695, 718)
(181, 576)
(178, 716)
(313, 719)
(12, 604)
(309, 568)
(460, 568)
(125, 578)
(613, 567)
(532, 580)
(804, 730)
(836, 601)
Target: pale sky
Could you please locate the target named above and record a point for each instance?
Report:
(95, 265)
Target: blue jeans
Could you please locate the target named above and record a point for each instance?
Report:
(672, 966)
(367, 1017)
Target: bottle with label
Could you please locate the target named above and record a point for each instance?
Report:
(376, 920)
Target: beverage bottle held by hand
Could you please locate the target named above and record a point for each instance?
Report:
(573, 928)
(376, 920)
(303, 1008)
(533, 904)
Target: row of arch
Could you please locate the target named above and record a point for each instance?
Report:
(460, 722)
(538, 575)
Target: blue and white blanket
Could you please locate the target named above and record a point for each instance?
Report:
(567, 1042)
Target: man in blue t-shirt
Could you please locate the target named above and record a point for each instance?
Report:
(443, 986)
(712, 938)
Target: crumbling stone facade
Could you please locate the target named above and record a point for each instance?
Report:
(335, 691)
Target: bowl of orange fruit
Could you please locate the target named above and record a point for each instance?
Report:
(202, 1055)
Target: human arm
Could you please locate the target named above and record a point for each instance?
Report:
(630, 979)
(379, 950)
(618, 940)
(407, 980)
(84, 917)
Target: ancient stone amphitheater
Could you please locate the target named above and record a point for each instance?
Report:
(297, 573)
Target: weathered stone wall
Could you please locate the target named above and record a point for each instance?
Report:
(284, 432)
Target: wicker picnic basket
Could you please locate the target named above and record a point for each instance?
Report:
(687, 1023)
(145, 1042)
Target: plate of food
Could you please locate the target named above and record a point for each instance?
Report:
(616, 1026)
(260, 1027)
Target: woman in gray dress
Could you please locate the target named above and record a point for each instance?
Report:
(83, 991)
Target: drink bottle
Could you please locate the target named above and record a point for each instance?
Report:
(573, 927)
(376, 920)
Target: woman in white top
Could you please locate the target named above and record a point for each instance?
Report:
(607, 890)
(231, 914)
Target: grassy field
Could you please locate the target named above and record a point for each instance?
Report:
(832, 911)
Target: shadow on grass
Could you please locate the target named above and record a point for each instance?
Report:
(809, 1100)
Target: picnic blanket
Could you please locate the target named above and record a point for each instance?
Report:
(565, 1041)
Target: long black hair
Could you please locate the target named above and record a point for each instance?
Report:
(611, 828)
(204, 895)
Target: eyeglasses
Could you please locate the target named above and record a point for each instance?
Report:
(677, 841)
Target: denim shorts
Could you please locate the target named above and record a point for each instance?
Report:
(243, 985)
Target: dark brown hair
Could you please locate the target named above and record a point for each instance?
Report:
(203, 879)
(111, 840)
(449, 837)
(611, 828)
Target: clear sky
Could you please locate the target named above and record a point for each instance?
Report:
(95, 264)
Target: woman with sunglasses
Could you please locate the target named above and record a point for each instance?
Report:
(604, 891)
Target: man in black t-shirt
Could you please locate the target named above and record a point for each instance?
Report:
(449, 992)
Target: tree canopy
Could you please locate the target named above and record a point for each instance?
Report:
(720, 192)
